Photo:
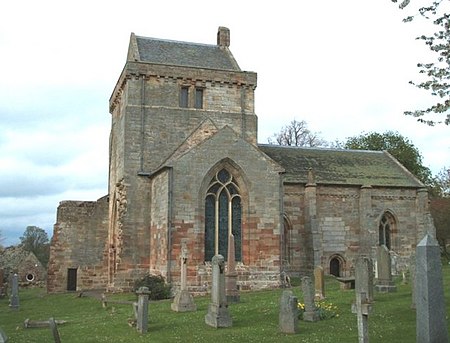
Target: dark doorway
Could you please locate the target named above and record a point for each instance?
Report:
(335, 267)
(72, 279)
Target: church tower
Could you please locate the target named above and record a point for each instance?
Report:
(170, 94)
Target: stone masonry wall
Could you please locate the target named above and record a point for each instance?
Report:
(79, 242)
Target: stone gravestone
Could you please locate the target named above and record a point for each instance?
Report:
(183, 301)
(218, 315)
(431, 323)
(362, 308)
(142, 309)
(319, 283)
(3, 337)
(412, 275)
(54, 330)
(310, 314)
(14, 300)
(231, 289)
(288, 318)
(2, 290)
(384, 282)
(364, 277)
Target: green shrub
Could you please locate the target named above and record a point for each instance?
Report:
(156, 285)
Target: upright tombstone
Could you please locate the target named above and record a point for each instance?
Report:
(288, 318)
(3, 337)
(319, 283)
(310, 314)
(364, 277)
(362, 308)
(431, 322)
(231, 289)
(183, 301)
(14, 299)
(142, 309)
(412, 275)
(384, 282)
(218, 315)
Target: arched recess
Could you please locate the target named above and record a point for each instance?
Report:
(224, 204)
(287, 248)
(387, 228)
(336, 265)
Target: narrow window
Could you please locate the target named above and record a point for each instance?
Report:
(199, 98)
(385, 230)
(222, 216)
(184, 96)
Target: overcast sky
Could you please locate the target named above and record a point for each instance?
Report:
(342, 66)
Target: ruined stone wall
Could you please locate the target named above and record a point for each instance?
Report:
(79, 242)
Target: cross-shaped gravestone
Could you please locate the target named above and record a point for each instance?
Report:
(362, 308)
(218, 315)
(364, 277)
(183, 301)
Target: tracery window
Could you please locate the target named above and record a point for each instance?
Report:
(222, 216)
(385, 229)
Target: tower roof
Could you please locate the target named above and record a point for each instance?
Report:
(170, 52)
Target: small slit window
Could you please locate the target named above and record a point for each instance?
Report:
(184, 96)
(199, 98)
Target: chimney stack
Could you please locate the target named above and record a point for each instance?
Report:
(223, 37)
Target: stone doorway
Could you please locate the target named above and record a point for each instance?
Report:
(335, 267)
(72, 279)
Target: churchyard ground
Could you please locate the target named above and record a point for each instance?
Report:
(255, 318)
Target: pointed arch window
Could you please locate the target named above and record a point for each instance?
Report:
(222, 216)
(385, 229)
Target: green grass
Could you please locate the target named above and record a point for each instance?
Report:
(255, 319)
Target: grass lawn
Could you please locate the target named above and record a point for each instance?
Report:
(255, 318)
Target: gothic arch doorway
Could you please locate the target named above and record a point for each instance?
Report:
(336, 265)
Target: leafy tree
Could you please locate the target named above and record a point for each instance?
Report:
(397, 145)
(35, 239)
(441, 184)
(296, 133)
(437, 73)
(440, 211)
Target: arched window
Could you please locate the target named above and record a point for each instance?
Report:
(385, 229)
(222, 216)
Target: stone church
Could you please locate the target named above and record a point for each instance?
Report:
(186, 168)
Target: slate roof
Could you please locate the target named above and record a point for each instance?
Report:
(177, 53)
(341, 167)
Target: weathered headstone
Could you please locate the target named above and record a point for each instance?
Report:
(431, 322)
(142, 309)
(362, 307)
(288, 318)
(14, 299)
(183, 301)
(319, 283)
(3, 337)
(231, 288)
(218, 315)
(412, 275)
(54, 330)
(384, 282)
(310, 314)
(364, 277)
